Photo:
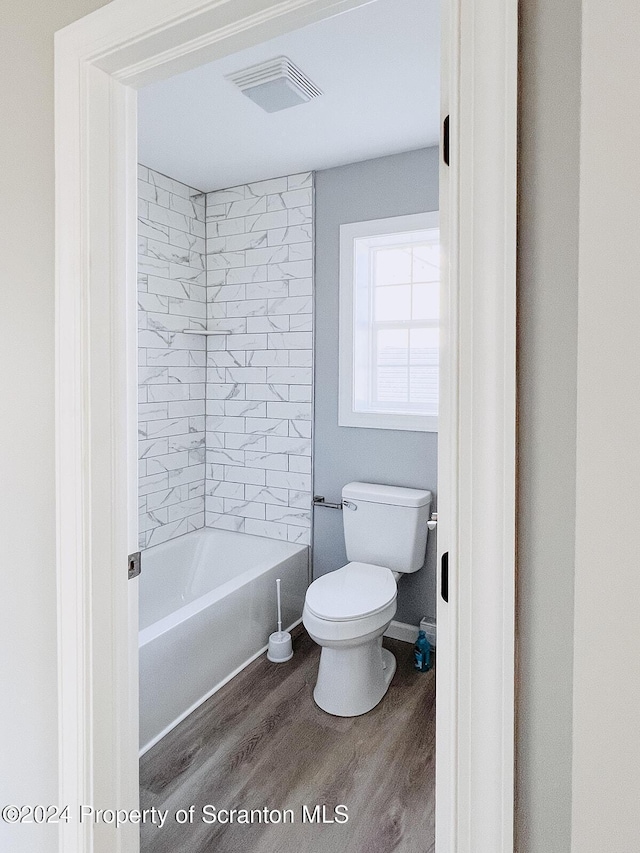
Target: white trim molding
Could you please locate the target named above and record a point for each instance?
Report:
(476, 500)
(100, 60)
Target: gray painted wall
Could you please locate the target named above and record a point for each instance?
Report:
(547, 350)
(388, 186)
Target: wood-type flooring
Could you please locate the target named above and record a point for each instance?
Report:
(261, 741)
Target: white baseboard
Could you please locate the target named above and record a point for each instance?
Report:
(402, 631)
(409, 633)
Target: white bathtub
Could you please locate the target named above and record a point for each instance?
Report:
(207, 607)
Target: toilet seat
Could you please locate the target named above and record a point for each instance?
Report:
(356, 591)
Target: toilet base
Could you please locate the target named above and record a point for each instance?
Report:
(353, 680)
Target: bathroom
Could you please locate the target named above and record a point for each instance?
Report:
(278, 393)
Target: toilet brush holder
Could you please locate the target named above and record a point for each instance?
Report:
(280, 647)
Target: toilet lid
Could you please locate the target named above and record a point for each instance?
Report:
(352, 592)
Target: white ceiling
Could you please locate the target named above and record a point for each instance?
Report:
(378, 67)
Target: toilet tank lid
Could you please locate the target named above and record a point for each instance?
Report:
(393, 495)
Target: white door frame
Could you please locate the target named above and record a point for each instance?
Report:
(100, 61)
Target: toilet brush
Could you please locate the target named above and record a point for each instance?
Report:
(280, 648)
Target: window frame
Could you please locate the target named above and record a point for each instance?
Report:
(349, 232)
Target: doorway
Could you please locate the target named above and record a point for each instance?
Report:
(96, 171)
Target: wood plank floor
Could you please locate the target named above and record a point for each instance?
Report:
(261, 741)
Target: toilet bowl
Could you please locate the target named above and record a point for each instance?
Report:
(346, 612)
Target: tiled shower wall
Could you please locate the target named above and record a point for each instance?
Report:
(256, 380)
(171, 411)
(259, 376)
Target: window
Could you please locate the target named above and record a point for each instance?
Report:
(389, 323)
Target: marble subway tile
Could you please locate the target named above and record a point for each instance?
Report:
(245, 409)
(169, 218)
(240, 242)
(192, 242)
(299, 215)
(300, 287)
(262, 494)
(300, 252)
(226, 522)
(289, 480)
(267, 459)
(300, 464)
(173, 186)
(290, 340)
(290, 234)
(299, 535)
(291, 269)
(161, 427)
(191, 441)
(153, 483)
(267, 426)
(247, 307)
(225, 227)
(300, 393)
(267, 392)
(245, 441)
(152, 447)
(301, 323)
(246, 275)
(303, 180)
(186, 408)
(267, 289)
(240, 261)
(269, 256)
(254, 476)
(247, 509)
(267, 358)
(226, 489)
(270, 529)
(265, 221)
(227, 358)
(289, 515)
(191, 474)
(247, 206)
(246, 342)
(186, 508)
(167, 463)
(290, 375)
(226, 196)
(297, 446)
(278, 323)
(172, 298)
(272, 185)
(301, 358)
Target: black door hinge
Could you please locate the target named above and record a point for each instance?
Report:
(444, 576)
(445, 140)
(134, 567)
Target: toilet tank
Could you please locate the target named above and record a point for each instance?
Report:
(386, 525)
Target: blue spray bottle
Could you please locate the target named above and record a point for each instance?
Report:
(422, 653)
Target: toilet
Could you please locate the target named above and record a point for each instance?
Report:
(347, 611)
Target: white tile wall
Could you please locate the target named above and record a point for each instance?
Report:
(172, 365)
(259, 377)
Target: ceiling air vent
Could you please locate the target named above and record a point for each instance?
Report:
(276, 84)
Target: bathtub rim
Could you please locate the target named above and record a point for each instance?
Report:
(217, 593)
